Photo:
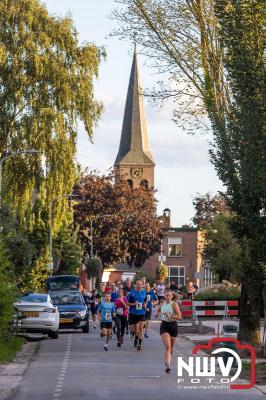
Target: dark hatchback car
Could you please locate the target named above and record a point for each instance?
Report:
(73, 312)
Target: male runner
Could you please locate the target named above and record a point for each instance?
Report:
(106, 313)
(151, 301)
(137, 303)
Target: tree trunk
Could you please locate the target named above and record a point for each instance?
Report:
(250, 310)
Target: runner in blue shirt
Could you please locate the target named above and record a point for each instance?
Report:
(152, 299)
(106, 313)
(136, 301)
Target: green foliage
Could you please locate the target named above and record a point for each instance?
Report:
(33, 279)
(9, 347)
(67, 251)
(219, 293)
(94, 267)
(149, 278)
(7, 291)
(162, 271)
(46, 82)
(222, 249)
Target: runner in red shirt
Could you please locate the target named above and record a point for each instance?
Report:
(121, 316)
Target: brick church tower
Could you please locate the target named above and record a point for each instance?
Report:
(134, 161)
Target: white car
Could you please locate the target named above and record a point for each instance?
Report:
(37, 314)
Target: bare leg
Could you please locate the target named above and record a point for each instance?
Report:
(166, 338)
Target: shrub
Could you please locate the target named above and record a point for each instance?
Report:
(162, 271)
(219, 292)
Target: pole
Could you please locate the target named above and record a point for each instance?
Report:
(91, 237)
(51, 232)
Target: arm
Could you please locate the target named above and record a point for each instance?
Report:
(158, 312)
(177, 315)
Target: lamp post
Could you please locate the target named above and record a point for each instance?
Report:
(51, 224)
(11, 155)
(93, 218)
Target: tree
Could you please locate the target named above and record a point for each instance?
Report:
(207, 206)
(46, 87)
(215, 54)
(67, 251)
(7, 291)
(124, 223)
(222, 249)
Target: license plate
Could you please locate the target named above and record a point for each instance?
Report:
(66, 320)
(29, 314)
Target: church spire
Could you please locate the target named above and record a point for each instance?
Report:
(134, 144)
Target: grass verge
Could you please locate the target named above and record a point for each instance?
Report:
(9, 348)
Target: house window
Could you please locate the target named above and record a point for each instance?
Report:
(177, 274)
(175, 247)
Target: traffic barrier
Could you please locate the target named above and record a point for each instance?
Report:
(213, 308)
(187, 308)
(232, 308)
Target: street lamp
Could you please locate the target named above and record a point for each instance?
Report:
(93, 218)
(51, 223)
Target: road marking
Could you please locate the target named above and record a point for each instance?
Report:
(61, 377)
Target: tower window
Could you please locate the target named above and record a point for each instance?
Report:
(130, 183)
(144, 184)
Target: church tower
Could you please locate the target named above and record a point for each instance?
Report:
(134, 161)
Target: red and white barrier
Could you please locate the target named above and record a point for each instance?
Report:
(227, 309)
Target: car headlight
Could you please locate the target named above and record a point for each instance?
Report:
(81, 314)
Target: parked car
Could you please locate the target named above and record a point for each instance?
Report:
(37, 314)
(73, 311)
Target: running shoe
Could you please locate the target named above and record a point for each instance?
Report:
(118, 344)
(139, 346)
(168, 370)
(146, 335)
(105, 347)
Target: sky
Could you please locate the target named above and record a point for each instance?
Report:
(182, 167)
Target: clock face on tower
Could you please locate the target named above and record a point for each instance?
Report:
(136, 172)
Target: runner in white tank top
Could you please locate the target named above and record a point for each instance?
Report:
(170, 313)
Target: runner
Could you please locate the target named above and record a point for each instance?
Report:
(106, 311)
(151, 301)
(170, 313)
(137, 303)
(93, 302)
(121, 316)
(160, 290)
(127, 289)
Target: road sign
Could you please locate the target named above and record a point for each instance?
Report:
(162, 258)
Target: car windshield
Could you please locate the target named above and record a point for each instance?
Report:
(34, 298)
(67, 299)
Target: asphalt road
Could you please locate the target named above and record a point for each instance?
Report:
(75, 367)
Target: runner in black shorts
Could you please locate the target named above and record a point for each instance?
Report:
(136, 300)
(170, 313)
(151, 301)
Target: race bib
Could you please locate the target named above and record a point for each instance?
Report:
(148, 297)
(139, 306)
(119, 311)
(108, 316)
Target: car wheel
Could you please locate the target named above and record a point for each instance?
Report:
(54, 335)
(86, 328)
